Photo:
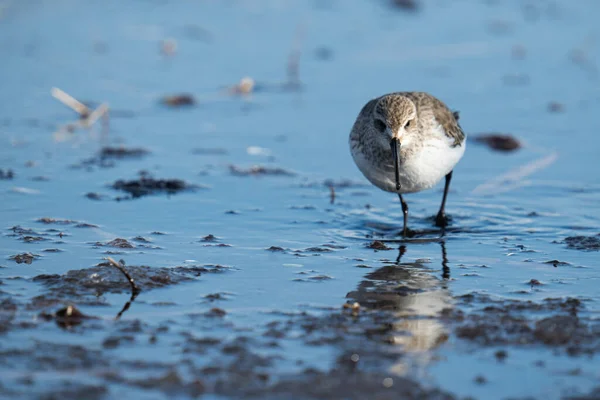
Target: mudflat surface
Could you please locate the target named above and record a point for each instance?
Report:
(267, 266)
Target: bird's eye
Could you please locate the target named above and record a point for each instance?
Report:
(407, 124)
(379, 125)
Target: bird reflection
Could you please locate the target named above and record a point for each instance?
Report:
(415, 296)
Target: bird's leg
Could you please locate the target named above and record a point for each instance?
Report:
(405, 212)
(441, 219)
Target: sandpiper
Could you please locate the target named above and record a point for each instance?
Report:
(406, 142)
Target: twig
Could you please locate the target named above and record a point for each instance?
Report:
(95, 115)
(134, 289)
(71, 102)
(87, 117)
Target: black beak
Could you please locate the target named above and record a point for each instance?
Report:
(395, 145)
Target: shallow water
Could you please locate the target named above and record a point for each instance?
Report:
(500, 64)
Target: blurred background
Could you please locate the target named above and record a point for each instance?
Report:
(206, 132)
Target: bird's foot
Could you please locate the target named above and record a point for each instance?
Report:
(408, 233)
(442, 220)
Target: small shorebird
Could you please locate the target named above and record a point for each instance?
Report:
(406, 142)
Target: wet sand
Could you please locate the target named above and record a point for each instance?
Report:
(209, 236)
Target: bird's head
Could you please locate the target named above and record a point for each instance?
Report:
(394, 116)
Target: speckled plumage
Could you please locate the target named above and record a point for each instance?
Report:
(430, 139)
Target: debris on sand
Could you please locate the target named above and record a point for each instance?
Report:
(67, 317)
(585, 243)
(28, 235)
(557, 330)
(353, 307)
(147, 185)
(6, 174)
(209, 238)
(218, 245)
(85, 225)
(94, 196)
(498, 141)
(244, 87)
(501, 355)
(87, 116)
(24, 258)
(557, 263)
(84, 285)
(74, 104)
(106, 157)
(259, 170)
(122, 152)
(406, 5)
(378, 245)
(118, 243)
(334, 183)
(316, 249)
(55, 221)
(32, 239)
(556, 323)
(276, 249)
(216, 312)
(556, 107)
(179, 100)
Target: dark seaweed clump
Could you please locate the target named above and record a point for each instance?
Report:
(259, 170)
(586, 243)
(107, 156)
(6, 174)
(498, 141)
(147, 185)
(122, 152)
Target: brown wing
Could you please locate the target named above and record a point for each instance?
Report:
(361, 125)
(446, 118)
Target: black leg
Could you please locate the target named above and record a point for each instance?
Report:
(441, 220)
(445, 268)
(405, 212)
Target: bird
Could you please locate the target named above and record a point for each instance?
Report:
(406, 142)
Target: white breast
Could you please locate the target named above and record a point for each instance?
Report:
(420, 170)
(429, 165)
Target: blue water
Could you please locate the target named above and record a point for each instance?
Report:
(460, 52)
